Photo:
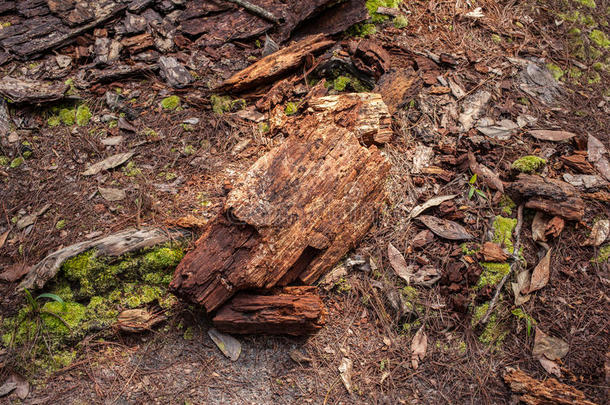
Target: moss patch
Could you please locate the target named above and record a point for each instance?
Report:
(603, 255)
(492, 274)
(503, 231)
(361, 30)
(53, 121)
(15, 163)
(67, 116)
(350, 83)
(83, 115)
(291, 108)
(555, 70)
(170, 103)
(600, 39)
(494, 332)
(528, 164)
(220, 104)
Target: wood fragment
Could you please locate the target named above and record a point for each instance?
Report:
(291, 311)
(535, 392)
(275, 65)
(294, 214)
(549, 195)
(259, 11)
(492, 252)
(31, 91)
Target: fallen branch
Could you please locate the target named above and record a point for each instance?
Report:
(514, 262)
(256, 10)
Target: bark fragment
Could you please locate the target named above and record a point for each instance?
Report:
(32, 91)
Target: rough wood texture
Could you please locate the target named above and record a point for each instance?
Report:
(275, 65)
(113, 245)
(549, 195)
(536, 392)
(33, 91)
(290, 311)
(296, 211)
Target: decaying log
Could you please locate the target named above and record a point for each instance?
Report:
(396, 87)
(549, 195)
(273, 66)
(129, 240)
(295, 212)
(290, 311)
(33, 91)
(535, 392)
(334, 19)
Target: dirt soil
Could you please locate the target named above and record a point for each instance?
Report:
(182, 167)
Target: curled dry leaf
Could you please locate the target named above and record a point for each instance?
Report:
(539, 227)
(433, 202)
(486, 174)
(399, 264)
(550, 135)
(3, 238)
(138, 320)
(550, 347)
(550, 366)
(445, 228)
(426, 276)
(522, 284)
(419, 345)
(345, 370)
(599, 233)
(108, 163)
(228, 345)
(22, 387)
(541, 273)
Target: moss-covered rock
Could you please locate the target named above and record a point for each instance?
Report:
(528, 164)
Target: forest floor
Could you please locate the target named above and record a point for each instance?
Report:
(184, 158)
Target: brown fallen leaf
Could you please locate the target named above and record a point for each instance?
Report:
(108, 163)
(522, 284)
(554, 227)
(445, 228)
(539, 227)
(419, 345)
(550, 347)
(550, 135)
(228, 345)
(599, 233)
(486, 174)
(541, 273)
(550, 366)
(345, 370)
(492, 252)
(422, 239)
(425, 276)
(22, 387)
(433, 202)
(138, 320)
(3, 238)
(399, 264)
(111, 194)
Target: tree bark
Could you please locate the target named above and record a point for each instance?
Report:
(290, 311)
(298, 209)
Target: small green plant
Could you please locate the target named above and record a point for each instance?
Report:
(291, 108)
(473, 189)
(529, 321)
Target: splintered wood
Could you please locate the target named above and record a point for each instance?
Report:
(298, 209)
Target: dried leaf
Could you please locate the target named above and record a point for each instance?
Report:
(3, 238)
(550, 366)
(108, 163)
(540, 275)
(492, 252)
(112, 194)
(522, 284)
(445, 229)
(554, 227)
(14, 272)
(549, 135)
(299, 357)
(433, 202)
(486, 174)
(550, 347)
(7, 388)
(599, 233)
(425, 276)
(30, 219)
(22, 387)
(423, 238)
(419, 345)
(228, 345)
(539, 227)
(345, 369)
(399, 264)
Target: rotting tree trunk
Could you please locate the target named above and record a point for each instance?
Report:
(297, 210)
(290, 311)
(549, 195)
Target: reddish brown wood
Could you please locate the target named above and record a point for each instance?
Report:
(287, 311)
(549, 195)
(298, 209)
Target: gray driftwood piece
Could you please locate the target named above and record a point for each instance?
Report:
(33, 91)
(114, 245)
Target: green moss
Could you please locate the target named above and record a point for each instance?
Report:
(189, 150)
(5, 24)
(493, 333)
(53, 121)
(349, 82)
(410, 293)
(83, 115)
(237, 105)
(220, 104)
(600, 39)
(401, 22)
(61, 224)
(503, 231)
(131, 170)
(67, 116)
(496, 38)
(343, 286)
(15, 163)
(528, 164)
(72, 313)
(594, 78)
(340, 83)
(63, 290)
(362, 30)
(586, 3)
(507, 205)
(603, 255)
(555, 70)
(574, 73)
(170, 103)
(492, 274)
(4, 161)
(188, 333)
(466, 250)
(523, 101)
(291, 108)
(373, 5)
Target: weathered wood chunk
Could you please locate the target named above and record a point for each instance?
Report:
(549, 195)
(276, 65)
(33, 91)
(296, 211)
(290, 311)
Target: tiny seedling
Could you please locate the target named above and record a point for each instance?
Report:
(473, 189)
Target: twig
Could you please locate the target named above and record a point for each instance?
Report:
(254, 9)
(513, 263)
